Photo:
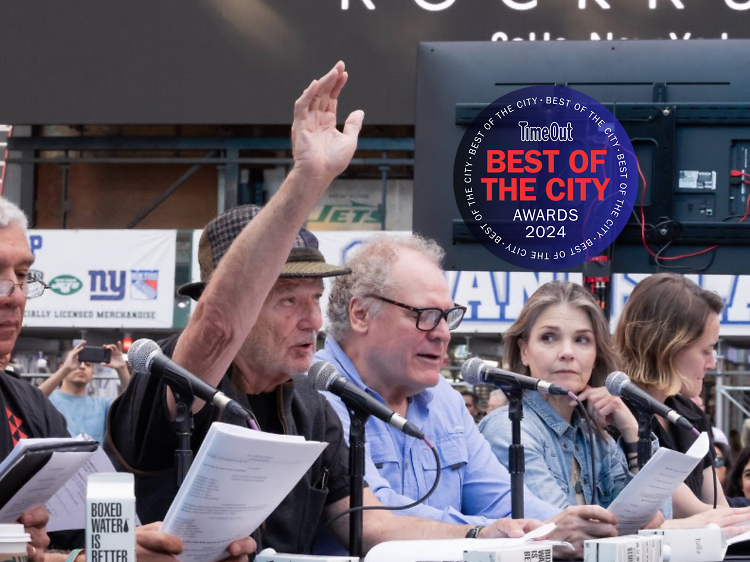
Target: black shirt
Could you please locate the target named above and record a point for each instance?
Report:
(28, 413)
(141, 440)
(266, 412)
(679, 439)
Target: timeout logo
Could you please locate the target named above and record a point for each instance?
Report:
(545, 178)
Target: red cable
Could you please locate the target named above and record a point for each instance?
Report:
(747, 206)
(643, 227)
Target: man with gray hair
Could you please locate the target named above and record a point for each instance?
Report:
(26, 410)
(253, 335)
(389, 327)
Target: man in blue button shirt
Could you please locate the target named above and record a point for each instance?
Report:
(389, 329)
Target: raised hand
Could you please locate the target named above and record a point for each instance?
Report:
(71, 362)
(321, 151)
(117, 359)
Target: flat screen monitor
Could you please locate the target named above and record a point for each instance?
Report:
(684, 105)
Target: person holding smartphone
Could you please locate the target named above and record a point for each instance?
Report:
(85, 413)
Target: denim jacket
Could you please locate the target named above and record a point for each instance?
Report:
(550, 443)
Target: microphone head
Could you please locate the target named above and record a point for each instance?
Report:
(471, 371)
(139, 353)
(615, 382)
(322, 373)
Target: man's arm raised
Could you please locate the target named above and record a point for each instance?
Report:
(231, 302)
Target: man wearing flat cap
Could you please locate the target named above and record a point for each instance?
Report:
(253, 336)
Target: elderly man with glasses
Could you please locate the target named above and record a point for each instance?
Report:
(26, 410)
(389, 327)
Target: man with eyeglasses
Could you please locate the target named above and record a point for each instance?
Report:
(253, 335)
(29, 413)
(389, 327)
(26, 410)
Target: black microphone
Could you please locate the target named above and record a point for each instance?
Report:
(619, 384)
(475, 371)
(145, 356)
(326, 377)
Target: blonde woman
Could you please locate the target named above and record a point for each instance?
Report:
(666, 337)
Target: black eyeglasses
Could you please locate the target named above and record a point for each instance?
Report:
(31, 288)
(429, 318)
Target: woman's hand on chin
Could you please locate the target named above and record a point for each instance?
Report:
(606, 409)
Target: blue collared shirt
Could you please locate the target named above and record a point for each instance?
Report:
(550, 443)
(474, 487)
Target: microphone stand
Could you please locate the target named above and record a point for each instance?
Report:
(644, 436)
(183, 424)
(356, 474)
(516, 460)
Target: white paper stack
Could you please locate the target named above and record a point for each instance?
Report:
(238, 477)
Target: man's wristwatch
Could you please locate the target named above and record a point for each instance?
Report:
(474, 532)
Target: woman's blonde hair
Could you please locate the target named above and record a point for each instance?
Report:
(559, 293)
(664, 314)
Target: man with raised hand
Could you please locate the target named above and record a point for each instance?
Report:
(253, 335)
(27, 411)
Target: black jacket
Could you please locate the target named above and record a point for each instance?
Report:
(141, 440)
(40, 419)
(39, 416)
(680, 439)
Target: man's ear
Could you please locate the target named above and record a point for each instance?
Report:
(359, 316)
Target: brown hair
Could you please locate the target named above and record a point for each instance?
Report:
(664, 314)
(733, 483)
(552, 294)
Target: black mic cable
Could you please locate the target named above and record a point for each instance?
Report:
(712, 456)
(327, 378)
(332, 520)
(590, 423)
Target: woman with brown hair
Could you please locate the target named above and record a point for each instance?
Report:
(561, 337)
(666, 336)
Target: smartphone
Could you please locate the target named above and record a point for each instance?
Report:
(93, 354)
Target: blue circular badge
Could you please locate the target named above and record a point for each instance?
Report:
(545, 178)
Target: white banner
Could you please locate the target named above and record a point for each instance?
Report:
(103, 278)
(495, 298)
